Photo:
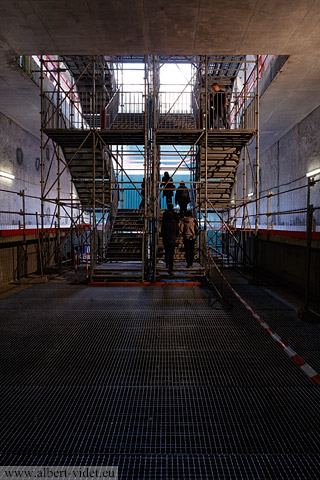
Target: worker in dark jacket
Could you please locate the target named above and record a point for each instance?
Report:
(168, 188)
(189, 229)
(143, 193)
(169, 232)
(182, 198)
(218, 105)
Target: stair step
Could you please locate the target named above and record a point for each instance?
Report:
(118, 275)
(126, 239)
(116, 271)
(130, 240)
(123, 257)
(120, 255)
(117, 245)
(128, 224)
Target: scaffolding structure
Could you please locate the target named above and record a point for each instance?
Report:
(93, 126)
(90, 128)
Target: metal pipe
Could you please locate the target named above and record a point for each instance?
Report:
(145, 203)
(206, 166)
(59, 184)
(42, 146)
(93, 251)
(23, 213)
(270, 194)
(257, 113)
(244, 173)
(155, 170)
(308, 244)
(39, 246)
(103, 154)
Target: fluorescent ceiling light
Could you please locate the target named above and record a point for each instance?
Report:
(7, 175)
(250, 194)
(314, 172)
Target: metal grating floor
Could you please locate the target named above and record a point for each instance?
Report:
(161, 381)
(303, 337)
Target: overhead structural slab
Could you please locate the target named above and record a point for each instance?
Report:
(154, 26)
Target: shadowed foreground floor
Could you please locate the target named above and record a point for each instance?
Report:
(161, 381)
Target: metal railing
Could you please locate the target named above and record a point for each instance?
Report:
(110, 221)
(62, 111)
(243, 111)
(126, 110)
(175, 102)
(112, 109)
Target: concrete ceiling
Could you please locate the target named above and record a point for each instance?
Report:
(290, 27)
(159, 26)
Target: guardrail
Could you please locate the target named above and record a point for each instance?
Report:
(126, 110)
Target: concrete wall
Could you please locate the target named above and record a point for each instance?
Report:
(19, 258)
(27, 175)
(285, 259)
(281, 257)
(283, 166)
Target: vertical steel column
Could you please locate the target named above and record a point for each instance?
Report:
(244, 186)
(206, 167)
(23, 213)
(42, 182)
(103, 154)
(154, 171)
(145, 172)
(257, 112)
(228, 239)
(120, 175)
(268, 208)
(234, 219)
(58, 233)
(308, 244)
(71, 224)
(122, 189)
(244, 173)
(40, 266)
(93, 248)
(42, 146)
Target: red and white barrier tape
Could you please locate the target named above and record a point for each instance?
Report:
(305, 367)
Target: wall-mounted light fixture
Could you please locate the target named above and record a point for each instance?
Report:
(314, 172)
(250, 194)
(7, 175)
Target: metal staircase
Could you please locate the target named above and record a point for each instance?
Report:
(126, 238)
(221, 164)
(81, 69)
(80, 165)
(124, 252)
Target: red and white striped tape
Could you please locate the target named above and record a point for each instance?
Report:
(305, 367)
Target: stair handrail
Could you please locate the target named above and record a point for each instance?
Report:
(112, 215)
(112, 108)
